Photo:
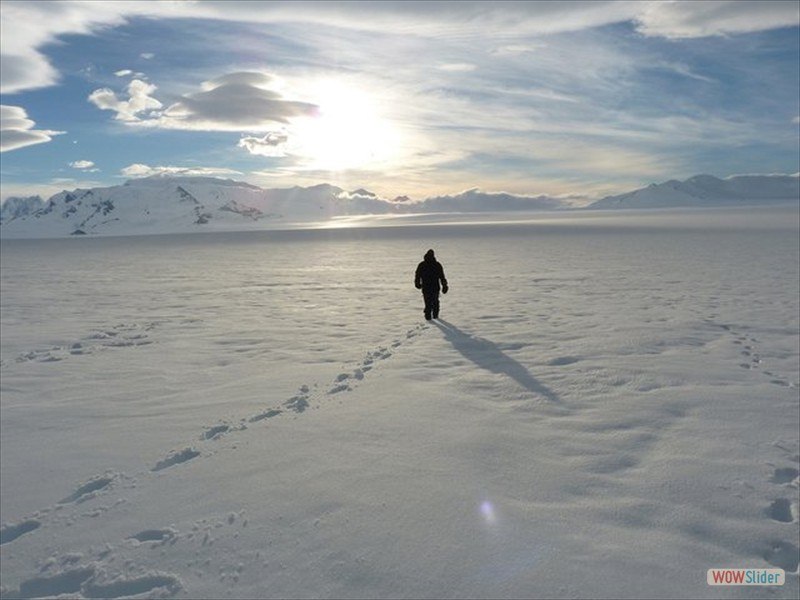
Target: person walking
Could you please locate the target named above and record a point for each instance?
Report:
(429, 273)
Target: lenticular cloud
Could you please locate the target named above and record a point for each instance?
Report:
(239, 101)
(17, 129)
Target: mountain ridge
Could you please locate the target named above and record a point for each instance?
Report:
(177, 204)
(707, 191)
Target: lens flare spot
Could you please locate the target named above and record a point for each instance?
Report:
(487, 511)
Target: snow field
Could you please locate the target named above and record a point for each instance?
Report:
(599, 413)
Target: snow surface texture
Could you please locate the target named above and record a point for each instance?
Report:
(607, 408)
(160, 204)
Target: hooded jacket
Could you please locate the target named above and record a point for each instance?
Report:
(429, 274)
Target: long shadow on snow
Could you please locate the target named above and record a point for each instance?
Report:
(488, 356)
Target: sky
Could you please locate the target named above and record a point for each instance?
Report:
(567, 99)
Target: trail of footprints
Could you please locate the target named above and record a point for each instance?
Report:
(123, 335)
(751, 358)
(299, 403)
(72, 575)
(781, 553)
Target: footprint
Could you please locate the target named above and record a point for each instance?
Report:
(63, 583)
(297, 403)
(780, 382)
(783, 555)
(153, 585)
(8, 533)
(563, 360)
(339, 388)
(50, 358)
(781, 510)
(785, 475)
(215, 432)
(176, 458)
(89, 489)
(273, 412)
(154, 535)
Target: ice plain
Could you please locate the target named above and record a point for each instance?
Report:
(608, 408)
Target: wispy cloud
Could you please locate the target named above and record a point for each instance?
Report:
(710, 18)
(27, 27)
(17, 130)
(428, 96)
(686, 71)
(457, 67)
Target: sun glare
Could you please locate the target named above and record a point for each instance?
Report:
(349, 131)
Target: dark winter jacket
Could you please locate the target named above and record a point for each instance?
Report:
(429, 274)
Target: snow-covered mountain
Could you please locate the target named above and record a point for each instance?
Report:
(477, 201)
(707, 190)
(14, 208)
(169, 204)
(180, 204)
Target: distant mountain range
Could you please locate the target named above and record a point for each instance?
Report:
(708, 191)
(166, 204)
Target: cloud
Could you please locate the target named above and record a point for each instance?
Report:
(16, 129)
(686, 71)
(29, 26)
(457, 67)
(702, 19)
(137, 170)
(518, 49)
(139, 100)
(130, 73)
(84, 165)
(239, 101)
(796, 120)
(26, 27)
(268, 145)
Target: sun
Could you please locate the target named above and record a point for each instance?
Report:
(349, 131)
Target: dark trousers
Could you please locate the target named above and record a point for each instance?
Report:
(431, 303)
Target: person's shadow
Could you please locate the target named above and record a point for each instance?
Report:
(488, 356)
